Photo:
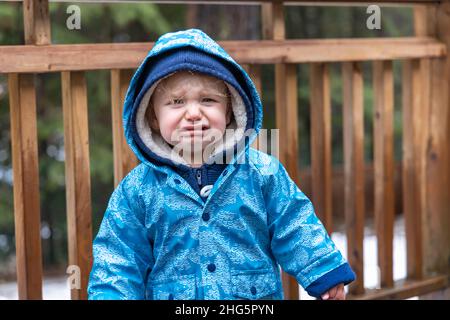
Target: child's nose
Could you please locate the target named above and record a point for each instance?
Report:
(193, 111)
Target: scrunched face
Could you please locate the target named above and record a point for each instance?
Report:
(190, 109)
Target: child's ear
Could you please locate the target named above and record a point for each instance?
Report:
(151, 118)
(154, 124)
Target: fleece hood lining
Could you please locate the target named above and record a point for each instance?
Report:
(155, 142)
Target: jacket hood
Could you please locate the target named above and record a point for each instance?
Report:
(149, 146)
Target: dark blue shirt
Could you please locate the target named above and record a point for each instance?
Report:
(200, 177)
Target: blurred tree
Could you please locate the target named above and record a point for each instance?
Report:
(226, 22)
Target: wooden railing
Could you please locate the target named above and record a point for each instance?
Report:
(425, 137)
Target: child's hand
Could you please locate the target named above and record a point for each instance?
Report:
(336, 293)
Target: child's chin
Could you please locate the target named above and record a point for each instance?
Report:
(192, 143)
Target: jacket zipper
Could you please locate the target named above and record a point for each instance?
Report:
(199, 177)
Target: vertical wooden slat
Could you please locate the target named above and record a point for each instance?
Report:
(191, 16)
(434, 21)
(267, 18)
(286, 116)
(423, 26)
(124, 158)
(437, 216)
(321, 143)
(267, 33)
(285, 113)
(412, 166)
(78, 185)
(36, 22)
(353, 112)
(420, 140)
(254, 71)
(425, 20)
(276, 20)
(384, 167)
(438, 151)
(22, 94)
(24, 147)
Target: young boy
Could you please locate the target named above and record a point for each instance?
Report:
(191, 222)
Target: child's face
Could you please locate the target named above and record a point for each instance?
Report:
(189, 108)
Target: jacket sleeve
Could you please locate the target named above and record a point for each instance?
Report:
(122, 250)
(299, 240)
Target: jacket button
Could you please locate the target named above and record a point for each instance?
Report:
(177, 181)
(253, 290)
(211, 267)
(205, 216)
(170, 296)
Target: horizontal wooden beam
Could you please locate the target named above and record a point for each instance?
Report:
(404, 289)
(250, 2)
(78, 57)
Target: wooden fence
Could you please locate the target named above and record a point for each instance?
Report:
(425, 164)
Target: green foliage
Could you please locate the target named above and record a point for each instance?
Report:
(148, 16)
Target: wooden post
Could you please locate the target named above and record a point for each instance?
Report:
(286, 112)
(191, 15)
(286, 101)
(24, 147)
(124, 158)
(254, 72)
(438, 153)
(78, 182)
(415, 114)
(36, 22)
(434, 21)
(321, 164)
(384, 167)
(22, 93)
(354, 169)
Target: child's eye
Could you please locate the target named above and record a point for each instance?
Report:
(177, 101)
(208, 100)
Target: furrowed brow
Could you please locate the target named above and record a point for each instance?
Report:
(213, 93)
(176, 95)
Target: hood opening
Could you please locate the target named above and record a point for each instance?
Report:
(154, 141)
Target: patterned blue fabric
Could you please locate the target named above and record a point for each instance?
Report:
(160, 240)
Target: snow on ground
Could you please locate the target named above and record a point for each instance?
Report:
(57, 289)
(53, 289)
(371, 271)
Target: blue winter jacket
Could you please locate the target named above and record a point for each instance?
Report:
(160, 240)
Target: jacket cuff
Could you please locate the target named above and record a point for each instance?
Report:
(342, 274)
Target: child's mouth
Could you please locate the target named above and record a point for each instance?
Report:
(195, 130)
